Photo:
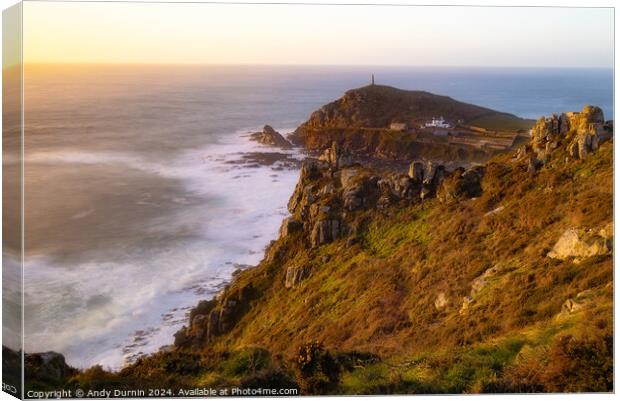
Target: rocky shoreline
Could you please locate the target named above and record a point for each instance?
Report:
(330, 188)
(338, 201)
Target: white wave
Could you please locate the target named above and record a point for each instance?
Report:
(91, 311)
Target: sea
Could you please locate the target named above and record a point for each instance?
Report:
(144, 194)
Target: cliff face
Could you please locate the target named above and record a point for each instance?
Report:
(511, 260)
(496, 278)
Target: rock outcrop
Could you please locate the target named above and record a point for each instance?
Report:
(477, 285)
(416, 171)
(462, 184)
(324, 231)
(359, 190)
(49, 366)
(289, 226)
(295, 275)
(581, 244)
(336, 157)
(215, 317)
(330, 192)
(441, 301)
(269, 136)
(579, 133)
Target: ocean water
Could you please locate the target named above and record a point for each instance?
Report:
(143, 193)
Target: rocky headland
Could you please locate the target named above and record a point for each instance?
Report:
(422, 278)
(385, 122)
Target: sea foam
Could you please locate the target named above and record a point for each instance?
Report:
(110, 312)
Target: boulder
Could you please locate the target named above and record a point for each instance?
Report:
(429, 172)
(607, 132)
(547, 133)
(213, 325)
(337, 157)
(232, 307)
(295, 274)
(353, 198)
(579, 244)
(589, 115)
(607, 231)
(199, 326)
(523, 152)
(534, 164)
(467, 300)
(570, 306)
(358, 192)
(395, 187)
(325, 231)
(47, 366)
(441, 301)
(481, 281)
(438, 176)
(181, 338)
(416, 171)
(269, 136)
(347, 177)
(289, 226)
(461, 184)
(216, 316)
(477, 285)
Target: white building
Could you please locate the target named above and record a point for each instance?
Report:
(437, 123)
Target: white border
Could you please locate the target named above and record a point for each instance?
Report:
(503, 3)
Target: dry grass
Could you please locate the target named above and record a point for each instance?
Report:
(379, 295)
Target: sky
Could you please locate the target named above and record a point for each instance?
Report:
(56, 32)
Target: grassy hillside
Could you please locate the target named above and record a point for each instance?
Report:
(502, 122)
(381, 295)
(440, 296)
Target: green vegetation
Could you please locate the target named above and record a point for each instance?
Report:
(502, 122)
(429, 298)
(410, 229)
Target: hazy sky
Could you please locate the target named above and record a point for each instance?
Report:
(336, 35)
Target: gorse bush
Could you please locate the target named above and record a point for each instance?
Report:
(317, 371)
(580, 364)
